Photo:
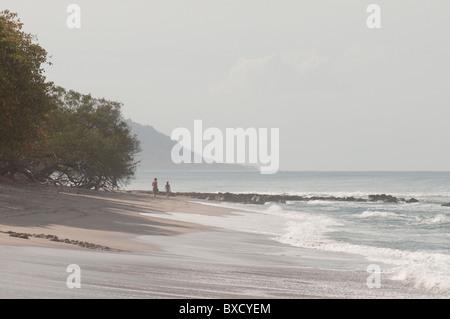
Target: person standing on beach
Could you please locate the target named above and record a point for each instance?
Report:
(167, 189)
(155, 187)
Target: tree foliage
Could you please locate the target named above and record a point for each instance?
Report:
(53, 135)
(88, 145)
(24, 99)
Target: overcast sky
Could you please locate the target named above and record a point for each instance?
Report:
(345, 97)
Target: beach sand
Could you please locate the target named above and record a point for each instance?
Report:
(110, 219)
(124, 254)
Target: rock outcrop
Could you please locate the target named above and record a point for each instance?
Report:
(261, 199)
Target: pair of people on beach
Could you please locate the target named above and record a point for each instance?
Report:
(155, 188)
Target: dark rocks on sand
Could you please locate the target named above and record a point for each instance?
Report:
(83, 244)
(18, 235)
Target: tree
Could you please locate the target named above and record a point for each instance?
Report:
(24, 99)
(88, 145)
(53, 135)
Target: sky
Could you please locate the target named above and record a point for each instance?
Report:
(345, 97)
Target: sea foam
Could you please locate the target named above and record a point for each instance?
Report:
(423, 269)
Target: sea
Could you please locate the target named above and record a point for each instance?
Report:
(410, 240)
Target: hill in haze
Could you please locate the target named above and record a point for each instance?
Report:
(156, 148)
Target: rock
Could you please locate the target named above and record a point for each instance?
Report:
(228, 197)
(18, 235)
(446, 204)
(261, 199)
(383, 198)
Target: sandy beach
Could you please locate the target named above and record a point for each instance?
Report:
(132, 245)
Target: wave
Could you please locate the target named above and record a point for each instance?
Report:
(438, 219)
(424, 269)
(370, 214)
(296, 228)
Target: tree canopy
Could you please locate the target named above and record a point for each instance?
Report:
(88, 145)
(24, 99)
(51, 134)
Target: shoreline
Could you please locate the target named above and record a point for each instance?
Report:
(170, 253)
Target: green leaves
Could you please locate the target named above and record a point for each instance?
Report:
(23, 91)
(92, 147)
(54, 135)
